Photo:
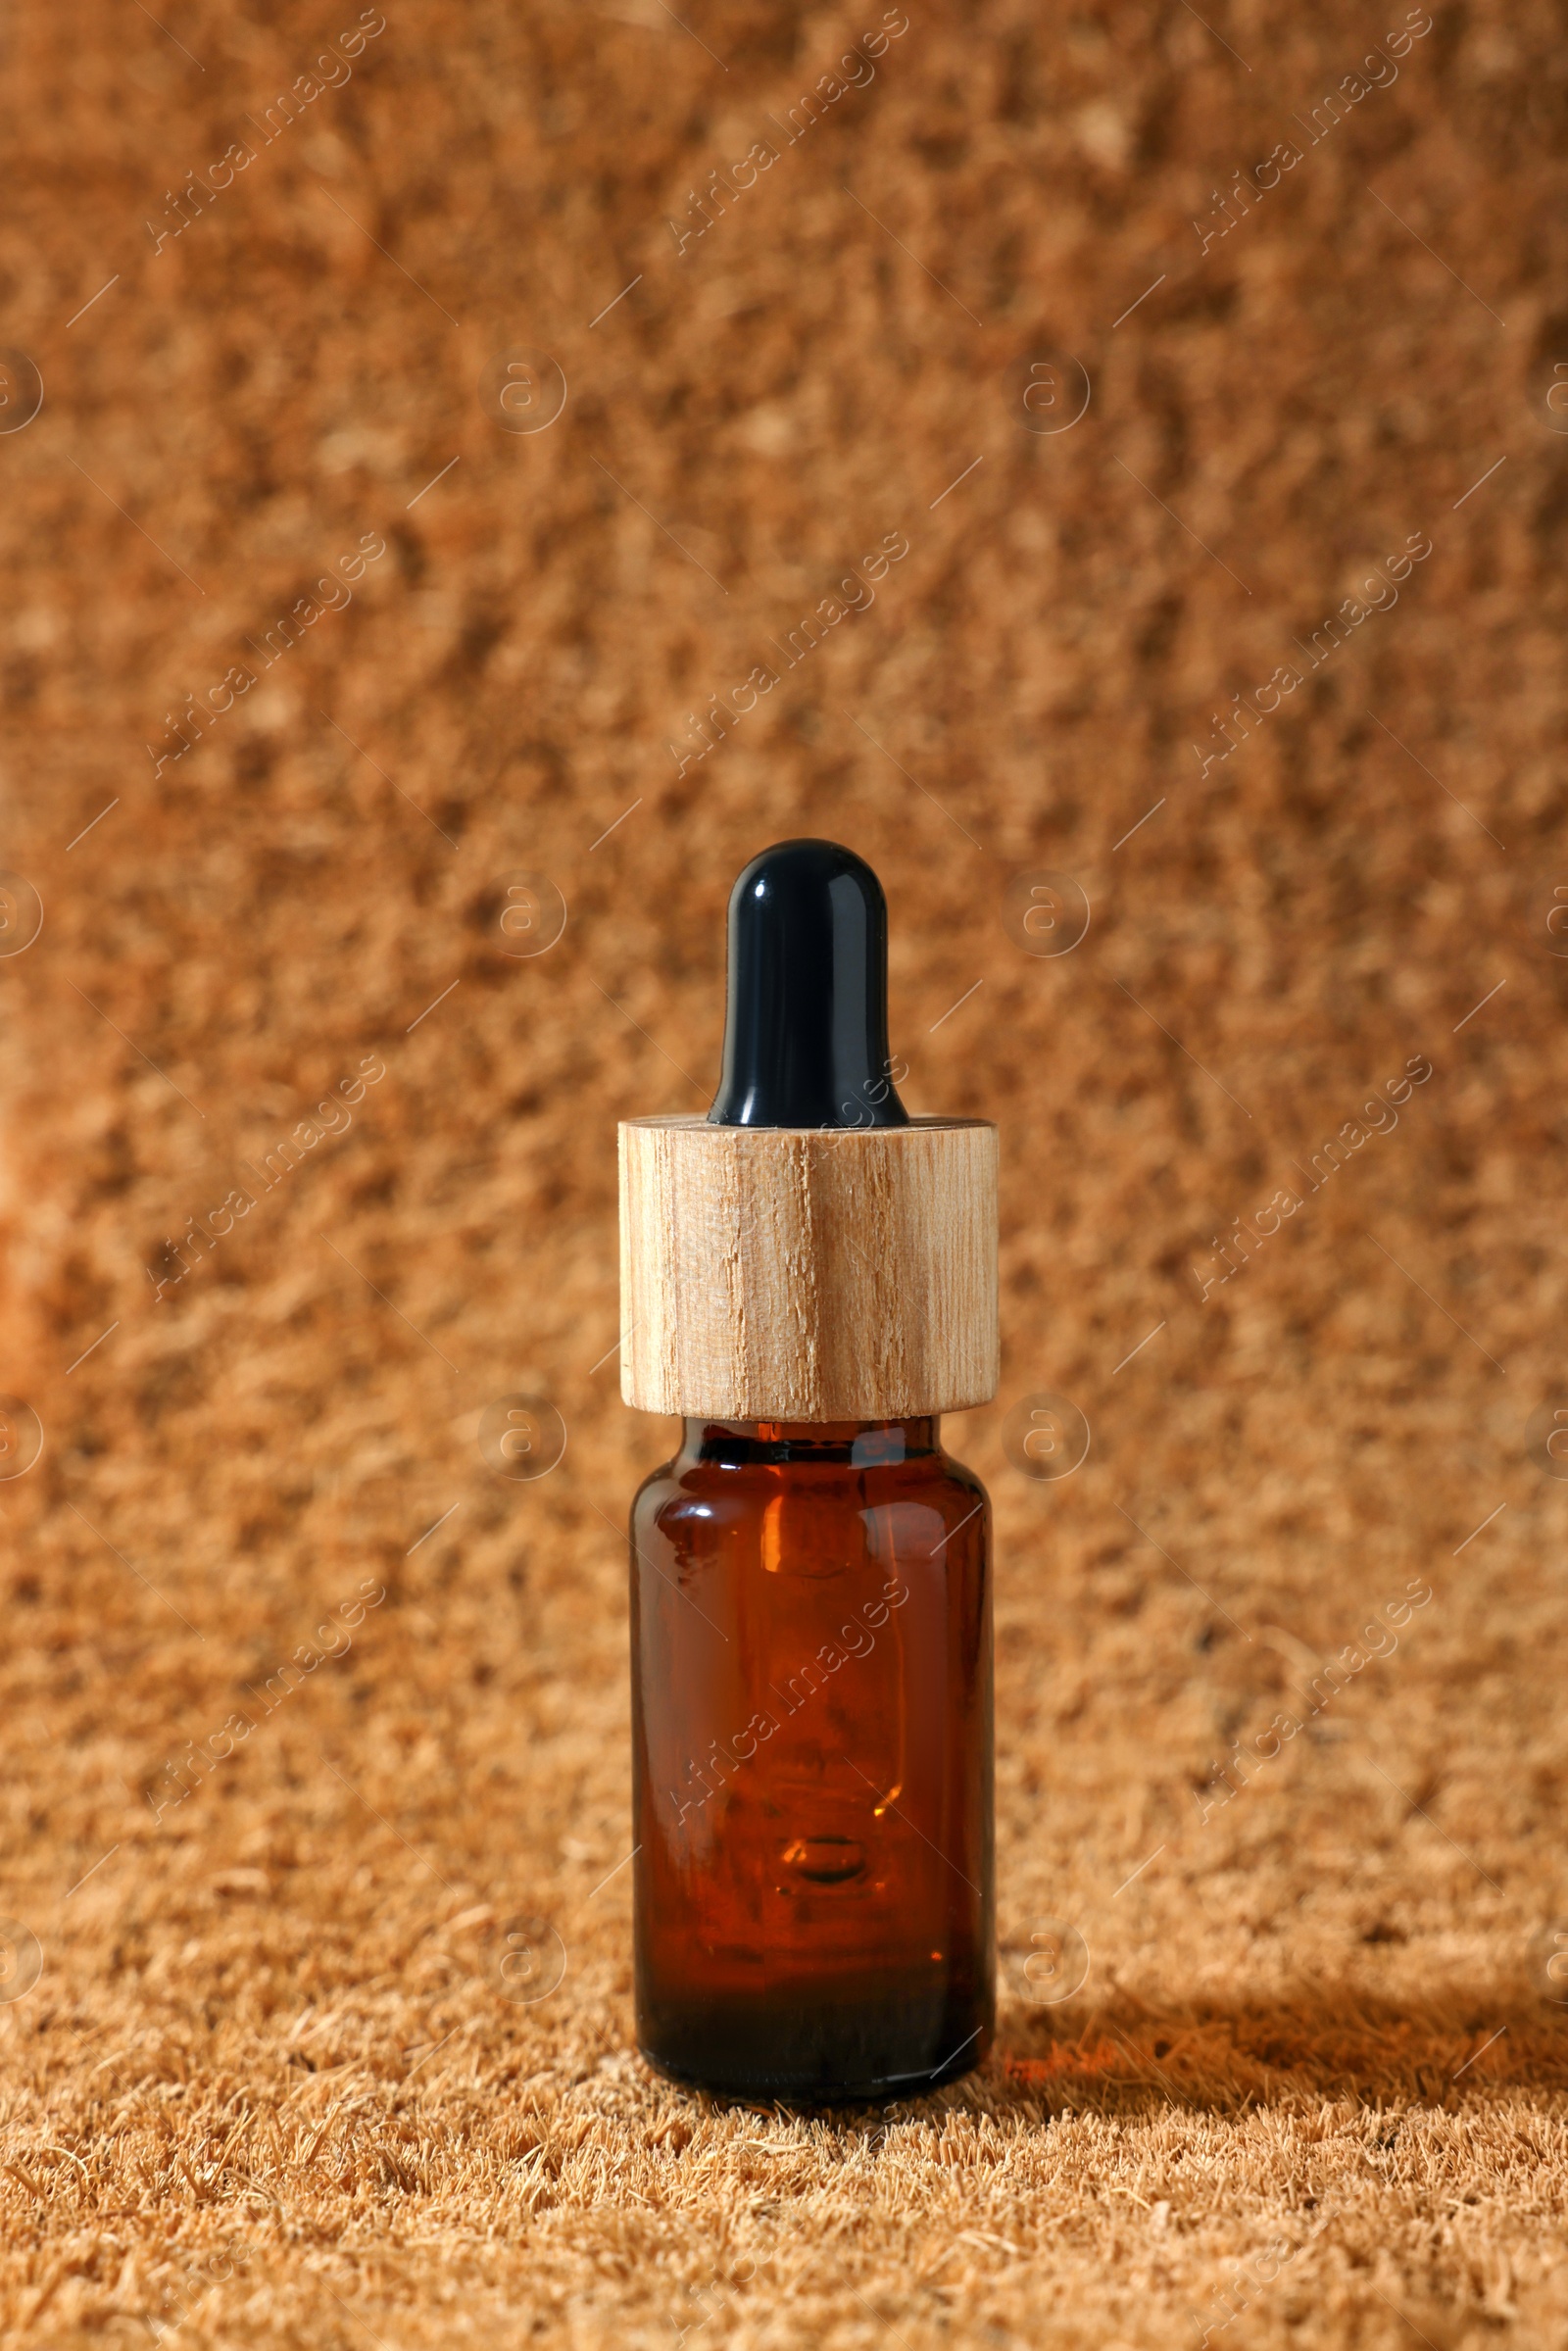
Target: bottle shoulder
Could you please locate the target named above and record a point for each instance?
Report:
(684, 1489)
(959, 1473)
(661, 1486)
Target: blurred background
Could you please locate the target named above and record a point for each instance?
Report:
(472, 477)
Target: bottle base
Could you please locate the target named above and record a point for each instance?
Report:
(798, 2092)
(817, 2051)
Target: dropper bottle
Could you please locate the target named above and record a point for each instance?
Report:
(809, 1280)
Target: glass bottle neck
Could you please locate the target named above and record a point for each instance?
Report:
(858, 1443)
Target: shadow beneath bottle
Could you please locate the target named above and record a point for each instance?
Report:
(1212, 2055)
(1322, 2040)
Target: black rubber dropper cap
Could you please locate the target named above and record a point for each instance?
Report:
(806, 1026)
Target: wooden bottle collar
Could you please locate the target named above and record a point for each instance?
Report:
(804, 1274)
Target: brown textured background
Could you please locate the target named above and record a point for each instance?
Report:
(267, 2086)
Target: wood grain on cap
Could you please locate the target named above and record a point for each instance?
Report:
(773, 1273)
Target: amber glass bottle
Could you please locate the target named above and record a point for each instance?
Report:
(812, 1760)
(809, 1281)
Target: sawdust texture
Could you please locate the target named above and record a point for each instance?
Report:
(314, 2013)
